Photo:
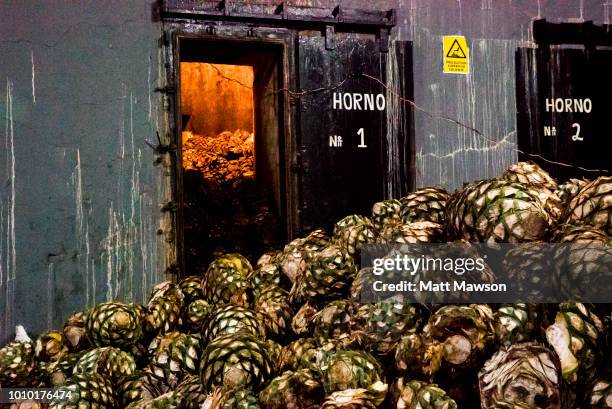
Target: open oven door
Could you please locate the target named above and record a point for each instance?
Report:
(349, 158)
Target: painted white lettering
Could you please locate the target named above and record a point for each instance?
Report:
(578, 105)
(380, 102)
(358, 102)
(572, 105)
(550, 106)
(357, 98)
(347, 100)
(337, 104)
(368, 102)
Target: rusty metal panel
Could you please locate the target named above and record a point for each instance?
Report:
(281, 13)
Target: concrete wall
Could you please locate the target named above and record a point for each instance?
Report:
(80, 196)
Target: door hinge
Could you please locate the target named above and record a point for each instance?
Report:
(168, 89)
(161, 148)
(171, 206)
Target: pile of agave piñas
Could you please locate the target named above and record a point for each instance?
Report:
(290, 332)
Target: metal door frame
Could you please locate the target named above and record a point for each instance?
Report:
(284, 39)
(225, 20)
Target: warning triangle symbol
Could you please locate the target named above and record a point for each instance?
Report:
(456, 51)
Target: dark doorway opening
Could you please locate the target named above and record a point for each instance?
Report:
(233, 195)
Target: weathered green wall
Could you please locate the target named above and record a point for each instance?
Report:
(79, 195)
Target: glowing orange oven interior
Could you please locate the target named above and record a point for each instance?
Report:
(227, 205)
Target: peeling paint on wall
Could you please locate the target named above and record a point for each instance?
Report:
(449, 154)
(149, 86)
(393, 127)
(80, 90)
(448, 150)
(8, 248)
(85, 263)
(122, 260)
(128, 235)
(33, 78)
(50, 291)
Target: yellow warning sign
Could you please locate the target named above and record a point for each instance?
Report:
(456, 55)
